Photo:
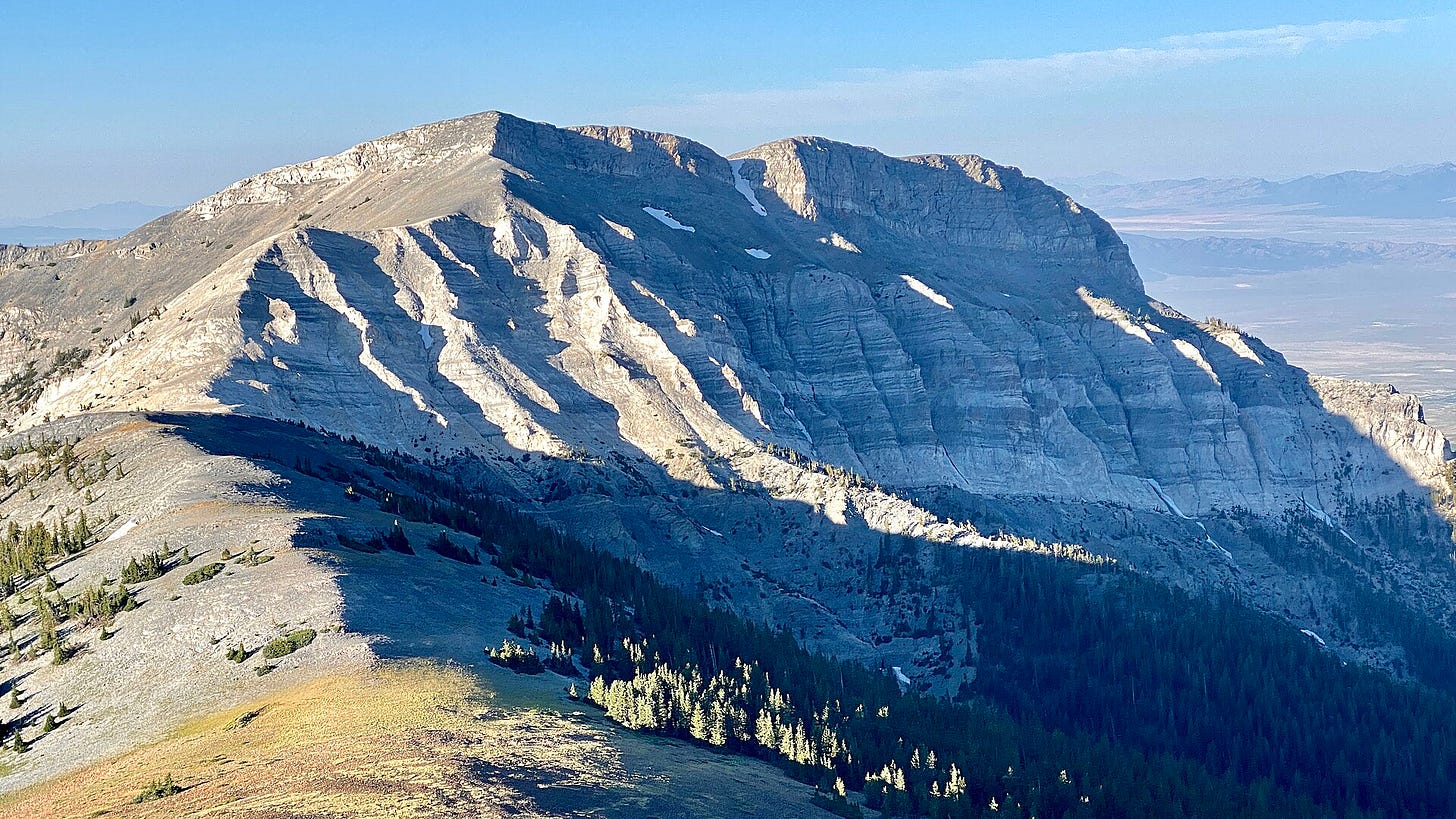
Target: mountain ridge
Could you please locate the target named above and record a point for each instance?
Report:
(929, 346)
(1427, 191)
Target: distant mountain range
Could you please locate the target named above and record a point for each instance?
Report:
(96, 222)
(1427, 191)
(1240, 255)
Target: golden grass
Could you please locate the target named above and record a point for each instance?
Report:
(388, 742)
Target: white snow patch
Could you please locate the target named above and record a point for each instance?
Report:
(1211, 542)
(900, 676)
(757, 253)
(741, 185)
(122, 530)
(1243, 285)
(1311, 635)
(666, 218)
(925, 290)
(1157, 487)
(1326, 519)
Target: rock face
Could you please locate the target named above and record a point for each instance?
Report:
(811, 318)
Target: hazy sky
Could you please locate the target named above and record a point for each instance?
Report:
(166, 102)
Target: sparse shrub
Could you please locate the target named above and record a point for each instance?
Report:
(288, 643)
(152, 566)
(49, 724)
(253, 558)
(397, 541)
(98, 605)
(516, 657)
(69, 360)
(203, 574)
(444, 548)
(560, 661)
(239, 653)
(159, 789)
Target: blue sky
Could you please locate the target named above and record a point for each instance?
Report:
(166, 102)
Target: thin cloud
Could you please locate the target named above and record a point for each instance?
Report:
(873, 94)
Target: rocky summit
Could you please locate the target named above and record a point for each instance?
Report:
(750, 375)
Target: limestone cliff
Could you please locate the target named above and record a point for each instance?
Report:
(863, 336)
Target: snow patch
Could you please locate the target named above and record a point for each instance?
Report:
(666, 218)
(425, 336)
(1327, 520)
(1173, 507)
(741, 185)
(1311, 635)
(1211, 542)
(757, 253)
(122, 530)
(900, 677)
(925, 290)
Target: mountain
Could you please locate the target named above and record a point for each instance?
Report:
(96, 222)
(1423, 192)
(883, 406)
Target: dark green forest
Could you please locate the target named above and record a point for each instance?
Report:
(1099, 693)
